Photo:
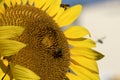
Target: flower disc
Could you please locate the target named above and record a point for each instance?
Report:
(47, 51)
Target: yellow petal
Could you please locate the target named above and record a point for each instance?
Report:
(58, 14)
(2, 9)
(39, 3)
(72, 77)
(80, 74)
(2, 74)
(4, 61)
(18, 1)
(22, 73)
(13, 2)
(86, 52)
(53, 9)
(31, 2)
(83, 73)
(10, 47)
(47, 4)
(24, 2)
(3, 69)
(8, 2)
(88, 43)
(69, 15)
(88, 64)
(10, 31)
(76, 32)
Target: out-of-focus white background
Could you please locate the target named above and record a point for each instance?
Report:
(102, 19)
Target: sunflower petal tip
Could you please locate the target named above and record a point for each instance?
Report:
(100, 56)
(79, 6)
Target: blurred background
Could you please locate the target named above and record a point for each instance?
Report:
(102, 19)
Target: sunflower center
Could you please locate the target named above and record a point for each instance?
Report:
(47, 52)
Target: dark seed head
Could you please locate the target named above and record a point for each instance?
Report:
(44, 39)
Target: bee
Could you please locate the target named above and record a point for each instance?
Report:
(58, 53)
(101, 40)
(65, 6)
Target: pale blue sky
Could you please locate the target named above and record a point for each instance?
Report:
(102, 18)
(83, 2)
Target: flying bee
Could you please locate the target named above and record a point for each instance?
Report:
(101, 40)
(65, 6)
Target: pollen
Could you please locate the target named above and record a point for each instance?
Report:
(46, 52)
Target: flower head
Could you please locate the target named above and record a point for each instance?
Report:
(33, 46)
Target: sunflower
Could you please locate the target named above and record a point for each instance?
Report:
(33, 45)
